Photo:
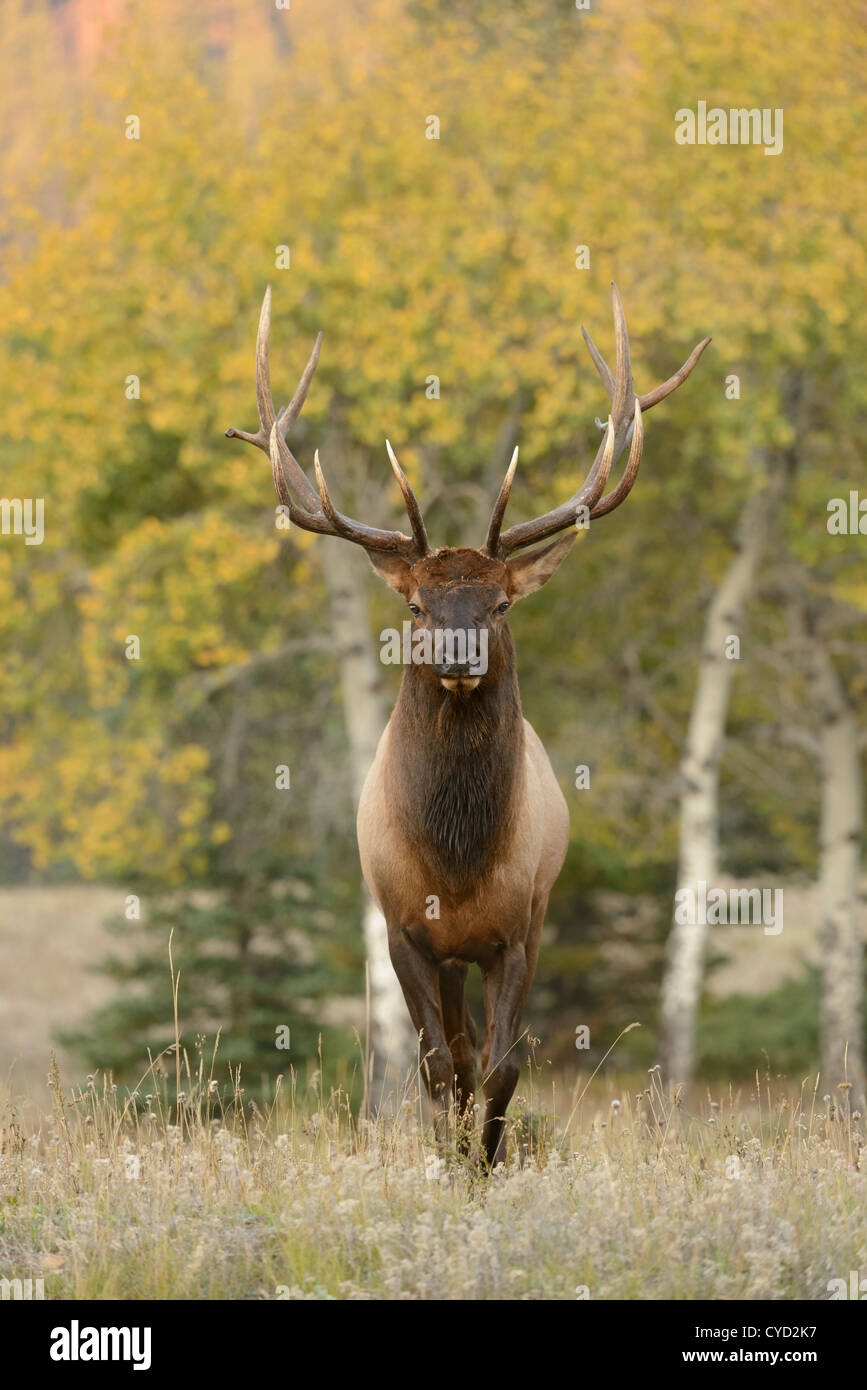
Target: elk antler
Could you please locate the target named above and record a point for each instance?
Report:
(314, 511)
(625, 419)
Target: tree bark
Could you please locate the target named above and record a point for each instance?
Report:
(392, 1041)
(842, 1016)
(698, 847)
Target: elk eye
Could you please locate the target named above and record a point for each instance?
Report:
(502, 607)
(415, 610)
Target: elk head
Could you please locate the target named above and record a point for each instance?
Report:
(459, 588)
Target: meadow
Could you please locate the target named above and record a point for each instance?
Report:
(605, 1194)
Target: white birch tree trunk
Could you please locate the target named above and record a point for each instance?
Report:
(842, 1016)
(698, 847)
(392, 1040)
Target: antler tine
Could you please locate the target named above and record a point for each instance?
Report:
(601, 365)
(659, 394)
(626, 415)
(264, 407)
(311, 511)
(291, 411)
(630, 472)
(372, 539)
(333, 516)
(493, 540)
(289, 467)
(264, 403)
(308, 521)
(618, 387)
(527, 532)
(623, 392)
(297, 478)
(413, 510)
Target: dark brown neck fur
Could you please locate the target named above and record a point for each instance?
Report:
(454, 766)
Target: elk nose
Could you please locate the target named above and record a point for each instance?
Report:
(453, 670)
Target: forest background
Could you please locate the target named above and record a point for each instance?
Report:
(447, 196)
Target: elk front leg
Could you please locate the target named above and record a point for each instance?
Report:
(505, 989)
(418, 973)
(460, 1032)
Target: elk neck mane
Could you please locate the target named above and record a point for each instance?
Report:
(455, 764)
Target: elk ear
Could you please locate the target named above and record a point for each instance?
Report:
(395, 571)
(529, 572)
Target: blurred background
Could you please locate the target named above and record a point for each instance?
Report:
(160, 165)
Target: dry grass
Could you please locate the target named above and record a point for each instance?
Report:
(109, 1196)
(625, 1193)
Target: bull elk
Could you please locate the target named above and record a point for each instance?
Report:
(461, 805)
